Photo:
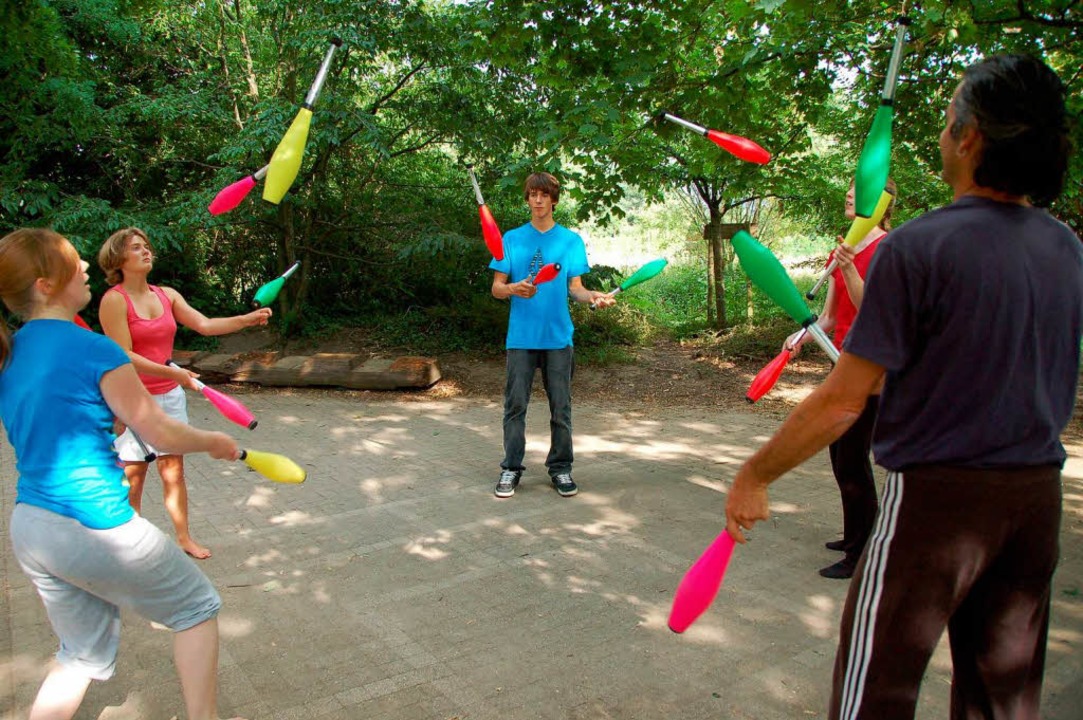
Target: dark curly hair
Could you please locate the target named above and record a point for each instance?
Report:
(1016, 102)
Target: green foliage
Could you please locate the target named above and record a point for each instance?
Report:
(604, 355)
(756, 342)
(675, 300)
(477, 325)
(621, 324)
(602, 278)
(118, 113)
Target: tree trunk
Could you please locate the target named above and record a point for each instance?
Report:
(250, 71)
(726, 231)
(716, 278)
(710, 275)
(290, 302)
(720, 284)
(223, 59)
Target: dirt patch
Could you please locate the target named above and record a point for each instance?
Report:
(664, 375)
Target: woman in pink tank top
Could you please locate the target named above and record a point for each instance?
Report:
(142, 318)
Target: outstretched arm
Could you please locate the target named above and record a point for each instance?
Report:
(818, 421)
(582, 295)
(192, 319)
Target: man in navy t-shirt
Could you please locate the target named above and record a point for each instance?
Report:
(540, 331)
(973, 316)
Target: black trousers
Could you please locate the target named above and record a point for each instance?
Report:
(972, 551)
(853, 473)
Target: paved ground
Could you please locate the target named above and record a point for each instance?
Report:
(394, 586)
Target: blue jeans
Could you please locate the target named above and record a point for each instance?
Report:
(557, 367)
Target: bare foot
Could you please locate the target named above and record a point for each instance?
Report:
(194, 549)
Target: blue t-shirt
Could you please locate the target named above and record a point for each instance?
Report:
(544, 321)
(59, 424)
(976, 312)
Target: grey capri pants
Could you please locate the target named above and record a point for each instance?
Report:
(85, 576)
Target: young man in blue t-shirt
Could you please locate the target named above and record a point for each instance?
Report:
(540, 331)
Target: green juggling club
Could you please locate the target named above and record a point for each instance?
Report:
(874, 164)
(269, 291)
(767, 273)
(641, 275)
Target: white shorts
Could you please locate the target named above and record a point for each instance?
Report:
(175, 405)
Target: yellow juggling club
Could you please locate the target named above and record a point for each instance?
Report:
(859, 228)
(274, 466)
(286, 161)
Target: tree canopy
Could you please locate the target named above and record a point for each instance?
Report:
(136, 112)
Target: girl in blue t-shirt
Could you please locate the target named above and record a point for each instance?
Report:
(72, 527)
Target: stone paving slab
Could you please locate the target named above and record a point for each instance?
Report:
(393, 585)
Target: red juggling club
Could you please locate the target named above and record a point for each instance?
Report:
(767, 377)
(547, 273)
(736, 145)
(489, 229)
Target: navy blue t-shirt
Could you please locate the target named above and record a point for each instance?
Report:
(976, 311)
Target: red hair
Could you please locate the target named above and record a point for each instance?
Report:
(27, 255)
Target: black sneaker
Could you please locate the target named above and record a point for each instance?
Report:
(565, 485)
(836, 545)
(841, 570)
(509, 480)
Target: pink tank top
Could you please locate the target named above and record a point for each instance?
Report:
(153, 339)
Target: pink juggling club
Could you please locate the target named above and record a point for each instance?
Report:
(231, 196)
(701, 583)
(231, 408)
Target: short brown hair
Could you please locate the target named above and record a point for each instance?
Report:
(545, 182)
(113, 253)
